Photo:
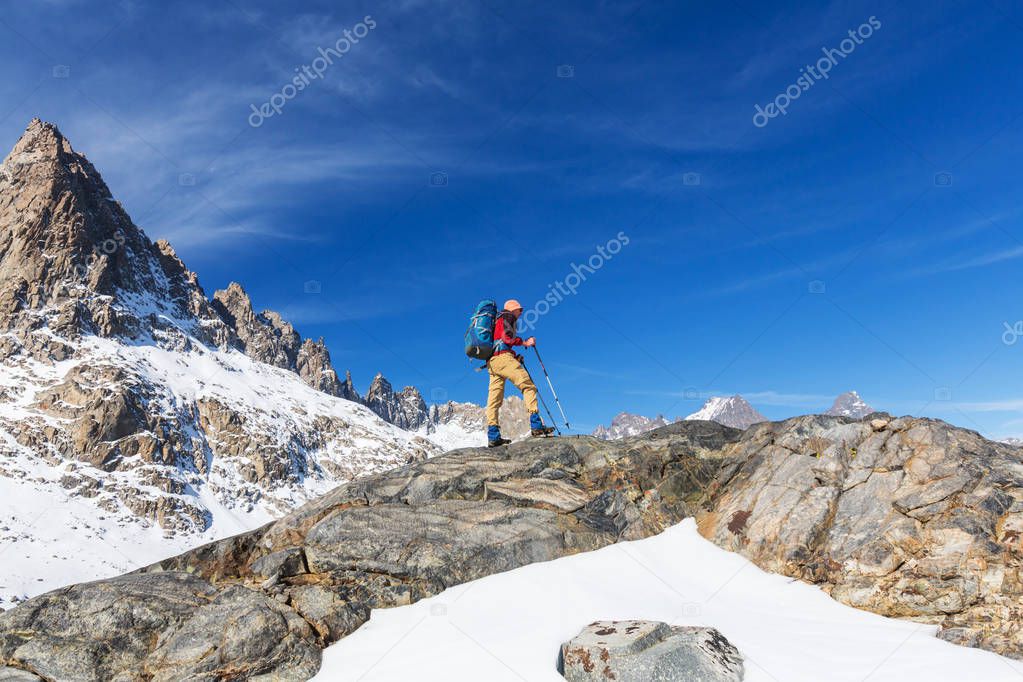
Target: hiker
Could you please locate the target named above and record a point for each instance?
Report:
(505, 364)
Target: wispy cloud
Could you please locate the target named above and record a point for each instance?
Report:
(978, 261)
(1005, 405)
(781, 399)
(763, 397)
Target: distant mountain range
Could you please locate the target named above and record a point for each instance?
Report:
(625, 425)
(734, 411)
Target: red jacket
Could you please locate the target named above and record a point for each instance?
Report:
(505, 337)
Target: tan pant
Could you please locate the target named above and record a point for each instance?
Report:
(506, 367)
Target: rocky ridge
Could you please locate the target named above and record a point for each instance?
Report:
(906, 517)
(295, 585)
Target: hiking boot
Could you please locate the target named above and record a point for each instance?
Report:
(542, 431)
(497, 443)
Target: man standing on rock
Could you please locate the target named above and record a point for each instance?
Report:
(505, 364)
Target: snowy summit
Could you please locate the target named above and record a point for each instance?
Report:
(850, 404)
(734, 411)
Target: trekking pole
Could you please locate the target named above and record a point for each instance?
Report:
(543, 402)
(553, 392)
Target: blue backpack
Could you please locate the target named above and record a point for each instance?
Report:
(479, 338)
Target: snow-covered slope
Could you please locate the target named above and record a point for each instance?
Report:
(280, 443)
(510, 626)
(734, 411)
(850, 404)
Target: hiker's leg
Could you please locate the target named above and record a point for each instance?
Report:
(520, 377)
(495, 396)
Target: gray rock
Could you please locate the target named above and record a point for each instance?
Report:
(909, 518)
(15, 675)
(240, 634)
(540, 492)
(282, 564)
(327, 611)
(98, 631)
(406, 409)
(649, 651)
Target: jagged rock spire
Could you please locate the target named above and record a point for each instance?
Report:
(406, 409)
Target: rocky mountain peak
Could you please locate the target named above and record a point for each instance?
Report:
(850, 404)
(406, 409)
(734, 411)
(71, 258)
(73, 262)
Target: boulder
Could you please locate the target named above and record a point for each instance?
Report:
(649, 651)
(908, 518)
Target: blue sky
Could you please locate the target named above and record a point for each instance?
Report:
(441, 159)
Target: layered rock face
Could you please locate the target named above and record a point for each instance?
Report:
(905, 517)
(263, 603)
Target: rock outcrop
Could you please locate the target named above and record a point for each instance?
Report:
(264, 602)
(648, 651)
(906, 517)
